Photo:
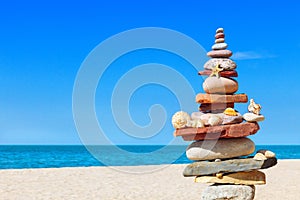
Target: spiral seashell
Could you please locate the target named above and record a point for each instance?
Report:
(180, 119)
(254, 107)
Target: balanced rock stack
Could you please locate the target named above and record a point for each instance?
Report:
(220, 147)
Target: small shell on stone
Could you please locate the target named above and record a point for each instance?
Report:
(259, 156)
(219, 175)
(218, 160)
(195, 123)
(267, 153)
(230, 112)
(215, 120)
(254, 107)
(270, 154)
(180, 119)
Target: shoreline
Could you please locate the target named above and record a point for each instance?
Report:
(120, 166)
(102, 182)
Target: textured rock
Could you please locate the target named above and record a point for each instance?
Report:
(251, 117)
(228, 192)
(215, 85)
(220, 35)
(231, 73)
(215, 132)
(220, 40)
(239, 178)
(221, 98)
(219, 46)
(220, 149)
(225, 63)
(208, 107)
(234, 165)
(220, 53)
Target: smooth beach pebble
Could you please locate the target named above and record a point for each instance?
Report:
(220, 40)
(214, 85)
(251, 117)
(219, 46)
(222, 148)
(220, 54)
(224, 63)
(220, 30)
(219, 35)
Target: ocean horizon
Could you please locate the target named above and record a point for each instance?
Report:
(56, 156)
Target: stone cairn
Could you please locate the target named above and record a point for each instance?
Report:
(220, 147)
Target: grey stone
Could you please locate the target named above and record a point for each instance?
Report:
(219, 46)
(225, 63)
(234, 165)
(222, 148)
(226, 192)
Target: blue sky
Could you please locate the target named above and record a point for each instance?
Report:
(43, 43)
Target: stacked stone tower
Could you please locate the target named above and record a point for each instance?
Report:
(220, 146)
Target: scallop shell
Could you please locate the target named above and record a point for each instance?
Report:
(180, 119)
(230, 112)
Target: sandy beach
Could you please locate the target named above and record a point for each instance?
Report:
(283, 182)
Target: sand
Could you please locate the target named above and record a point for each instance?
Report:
(167, 182)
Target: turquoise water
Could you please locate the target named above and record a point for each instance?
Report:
(18, 157)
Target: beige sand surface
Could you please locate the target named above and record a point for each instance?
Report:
(283, 182)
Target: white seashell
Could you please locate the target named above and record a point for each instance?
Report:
(180, 119)
(196, 123)
(267, 153)
(259, 156)
(254, 107)
(204, 118)
(270, 154)
(215, 120)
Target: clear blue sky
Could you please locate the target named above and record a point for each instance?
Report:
(43, 43)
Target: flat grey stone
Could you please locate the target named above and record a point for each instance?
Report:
(234, 165)
(222, 148)
(226, 192)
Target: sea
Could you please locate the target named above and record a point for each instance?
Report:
(54, 156)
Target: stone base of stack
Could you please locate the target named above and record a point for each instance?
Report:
(232, 192)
